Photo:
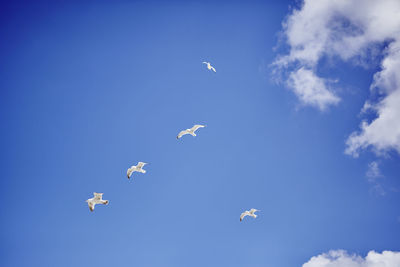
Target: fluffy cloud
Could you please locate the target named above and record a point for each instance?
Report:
(311, 89)
(383, 133)
(355, 31)
(339, 258)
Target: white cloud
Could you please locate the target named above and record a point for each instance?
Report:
(311, 89)
(352, 30)
(373, 174)
(340, 258)
(383, 133)
(373, 171)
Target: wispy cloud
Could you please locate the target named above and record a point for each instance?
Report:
(349, 30)
(373, 175)
(373, 171)
(340, 258)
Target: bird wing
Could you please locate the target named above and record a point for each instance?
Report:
(91, 205)
(141, 164)
(205, 62)
(197, 126)
(213, 69)
(98, 196)
(182, 133)
(253, 210)
(129, 172)
(243, 215)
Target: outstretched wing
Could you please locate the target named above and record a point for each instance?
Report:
(98, 196)
(253, 210)
(141, 164)
(129, 172)
(197, 126)
(91, 205)
(244, 214)
(213, 69)
(182, 133)
(205, 62)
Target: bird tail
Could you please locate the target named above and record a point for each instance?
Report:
(106, 202)
(143, 171)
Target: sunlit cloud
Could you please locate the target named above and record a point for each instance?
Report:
(349, 30)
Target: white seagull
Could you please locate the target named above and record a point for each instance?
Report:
(190, 131)
(137, 168)
(248, 213)
(209, 66)
(97, 199)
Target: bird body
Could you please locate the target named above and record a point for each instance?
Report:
(190, 131)
(97, 199)
(137, 168)
(248, 213)
(209, 66)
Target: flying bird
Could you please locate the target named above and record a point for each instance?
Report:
(248, 213)
(190, 131)
(97, 199)
(209, 66)
(137, 168)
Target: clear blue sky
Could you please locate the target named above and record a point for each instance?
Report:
(88, 89)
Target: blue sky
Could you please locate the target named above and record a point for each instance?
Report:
(88, 89)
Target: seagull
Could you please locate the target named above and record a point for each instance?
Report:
(209, 66)
(190, 131)
(248, 213)
(137, 168)
(97, 199)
